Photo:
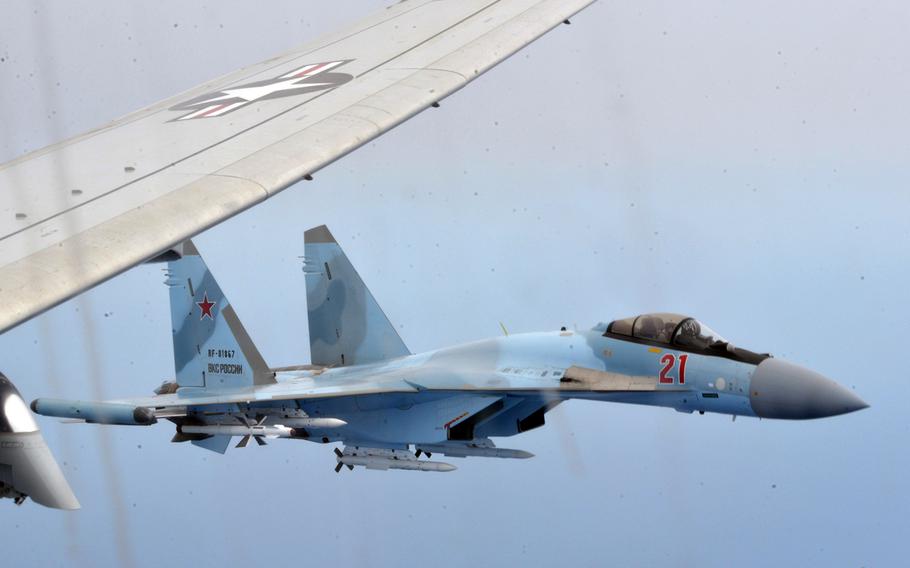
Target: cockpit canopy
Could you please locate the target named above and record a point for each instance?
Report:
(681, 332)
(669, 329)
(15, 417)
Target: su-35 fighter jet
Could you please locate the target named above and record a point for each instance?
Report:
(389, 407)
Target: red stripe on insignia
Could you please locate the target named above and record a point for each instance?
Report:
(213, 109)
(310, 70)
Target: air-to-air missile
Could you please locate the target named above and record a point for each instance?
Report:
(291, 428)
(470, 450)
(378, 458)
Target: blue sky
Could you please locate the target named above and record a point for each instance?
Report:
(743, 164)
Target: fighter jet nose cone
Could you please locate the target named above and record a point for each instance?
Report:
(783, 390)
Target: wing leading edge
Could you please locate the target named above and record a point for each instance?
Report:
(87, 209)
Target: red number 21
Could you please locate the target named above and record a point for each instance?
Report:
(669, 361)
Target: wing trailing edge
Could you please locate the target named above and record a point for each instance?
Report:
(196, 173)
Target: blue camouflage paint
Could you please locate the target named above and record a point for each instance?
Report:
(367, 391)
(347, 326)
(207, 351)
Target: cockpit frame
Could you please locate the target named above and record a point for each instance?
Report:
(667, 337)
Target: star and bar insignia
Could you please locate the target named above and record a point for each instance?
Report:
(309, 78)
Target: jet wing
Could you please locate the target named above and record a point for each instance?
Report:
(391, 380)
(79, 212)
(573, 379)
(298, 389)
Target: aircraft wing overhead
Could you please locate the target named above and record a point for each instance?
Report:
(79, 212)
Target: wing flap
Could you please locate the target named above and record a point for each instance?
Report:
(150, 180)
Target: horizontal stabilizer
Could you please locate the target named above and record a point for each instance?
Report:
(217, 444)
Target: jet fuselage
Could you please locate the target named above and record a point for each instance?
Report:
(530, 371)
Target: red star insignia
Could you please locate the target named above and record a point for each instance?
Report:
(206, 307)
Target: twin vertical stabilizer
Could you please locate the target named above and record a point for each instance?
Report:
(347, 326)
(211, 347)
(213, 350)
